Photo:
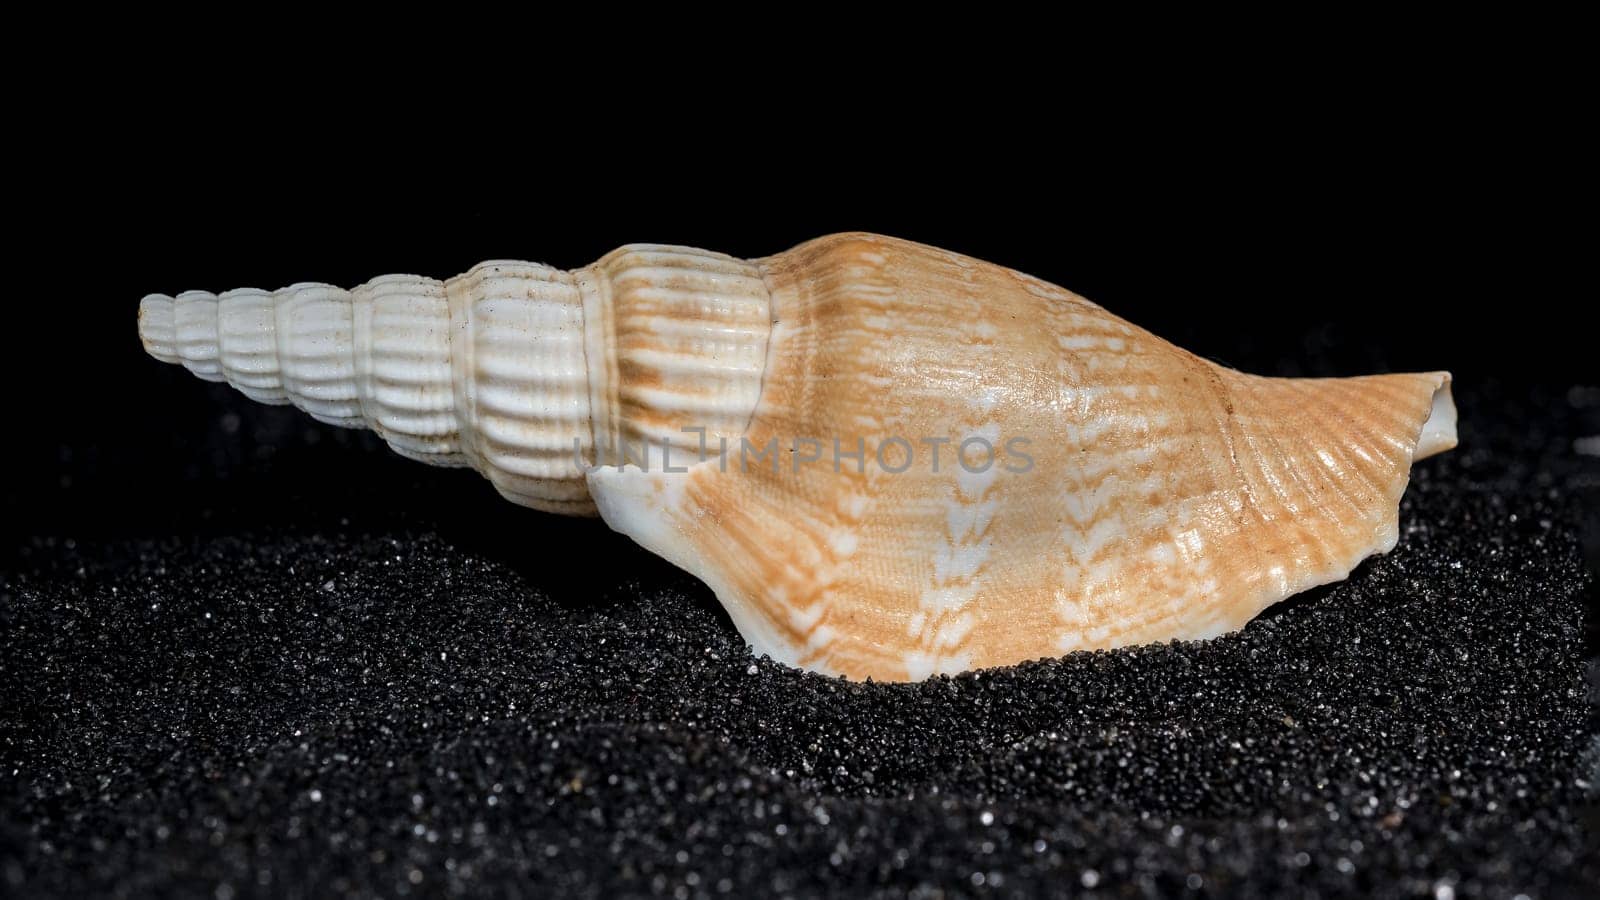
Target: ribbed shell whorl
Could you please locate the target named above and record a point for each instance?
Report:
(517, 369)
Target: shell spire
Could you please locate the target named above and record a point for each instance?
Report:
(775, 427)
(491, 369)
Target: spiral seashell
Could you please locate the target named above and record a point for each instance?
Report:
(886, 460)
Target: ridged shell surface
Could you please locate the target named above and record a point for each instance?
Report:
(516, 369)
(887, 460)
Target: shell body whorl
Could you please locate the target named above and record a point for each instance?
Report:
(1097, 486)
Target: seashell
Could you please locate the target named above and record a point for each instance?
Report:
(886, 460)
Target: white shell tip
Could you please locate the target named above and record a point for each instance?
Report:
(156, 327)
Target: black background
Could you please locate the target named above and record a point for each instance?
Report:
(1338, 197)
